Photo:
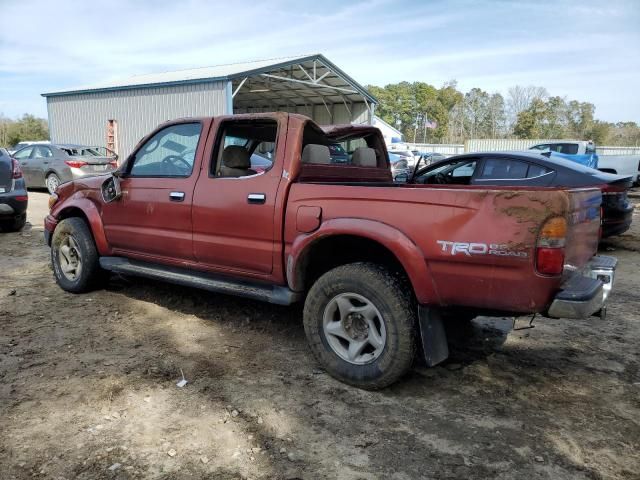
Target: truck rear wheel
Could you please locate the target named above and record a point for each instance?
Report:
(74, 257)
(361, 323)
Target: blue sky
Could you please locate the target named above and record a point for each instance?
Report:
(585, 50)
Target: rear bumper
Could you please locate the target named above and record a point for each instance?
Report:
(615, 222)
(585, 293)
(13, 204)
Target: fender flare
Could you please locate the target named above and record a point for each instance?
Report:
(402, 247)
(90, 211)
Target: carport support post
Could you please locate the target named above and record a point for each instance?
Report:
(229, 98)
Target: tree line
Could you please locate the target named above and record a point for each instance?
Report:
(26, 128)
(413, 108)
(526, 112)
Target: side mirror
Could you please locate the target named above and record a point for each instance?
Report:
(111, 189)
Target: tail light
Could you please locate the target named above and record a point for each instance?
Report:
(76, 163)
(16, 171)
(550, 246)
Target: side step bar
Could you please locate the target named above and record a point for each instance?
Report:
(213, 283)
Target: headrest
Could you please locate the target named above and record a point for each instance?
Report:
(364, 157)
(316, 154)
(235, 156)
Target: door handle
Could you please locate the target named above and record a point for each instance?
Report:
(176, 196)
(256, 198)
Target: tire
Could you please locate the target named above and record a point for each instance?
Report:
(14, 225)
(392, 308)
(52, 181)
(75, 235)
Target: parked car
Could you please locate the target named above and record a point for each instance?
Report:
(50, 165)
(400, 170)
(408, 156)
(579, 151)
(535, 170)
(379, 265)
(13, 194)
(338, 154)
(20, 145)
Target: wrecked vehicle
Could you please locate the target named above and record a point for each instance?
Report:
(380, 266)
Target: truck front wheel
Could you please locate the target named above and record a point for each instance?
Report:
(74, 257)
(360, 322)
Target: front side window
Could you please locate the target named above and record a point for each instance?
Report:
(169, 153)
(24, 153)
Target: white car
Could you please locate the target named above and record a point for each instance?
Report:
(20, 145)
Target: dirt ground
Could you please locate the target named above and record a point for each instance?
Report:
(88, 388)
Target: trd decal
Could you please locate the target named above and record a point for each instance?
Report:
(469, 248)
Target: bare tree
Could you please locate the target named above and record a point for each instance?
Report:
(520, 98)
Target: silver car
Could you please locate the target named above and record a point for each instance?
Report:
(50, 165)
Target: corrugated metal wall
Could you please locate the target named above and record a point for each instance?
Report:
(359, 113)
(444, 148)
(499, 144)
(82, 118)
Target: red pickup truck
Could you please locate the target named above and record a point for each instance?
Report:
(253, 205)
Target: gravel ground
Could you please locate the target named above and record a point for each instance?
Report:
(88, 388)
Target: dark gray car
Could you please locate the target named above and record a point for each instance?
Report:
(50, 165)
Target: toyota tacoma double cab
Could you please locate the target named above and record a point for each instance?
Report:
(252, 205)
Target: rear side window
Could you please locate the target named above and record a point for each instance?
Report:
(508, 169)
(566, 148)
(42, 152)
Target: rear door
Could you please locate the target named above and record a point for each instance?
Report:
(152, 220)
(233, 213)
(41, 161)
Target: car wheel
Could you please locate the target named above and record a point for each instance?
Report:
(360, 323)
(74, 257)
(52, 182)
(14, 225)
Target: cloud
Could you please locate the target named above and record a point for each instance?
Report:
(485, 44)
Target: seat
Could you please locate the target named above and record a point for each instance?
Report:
(236, 162)
(364, 157)
(316, 154)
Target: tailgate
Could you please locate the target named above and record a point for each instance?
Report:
(583, 227)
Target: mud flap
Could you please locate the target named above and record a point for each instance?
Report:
(433, 335)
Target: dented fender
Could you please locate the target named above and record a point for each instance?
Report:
(89, 209)
(402, 247)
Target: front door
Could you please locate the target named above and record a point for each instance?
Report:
(26, 165)
(152, 219)
(234, 200)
